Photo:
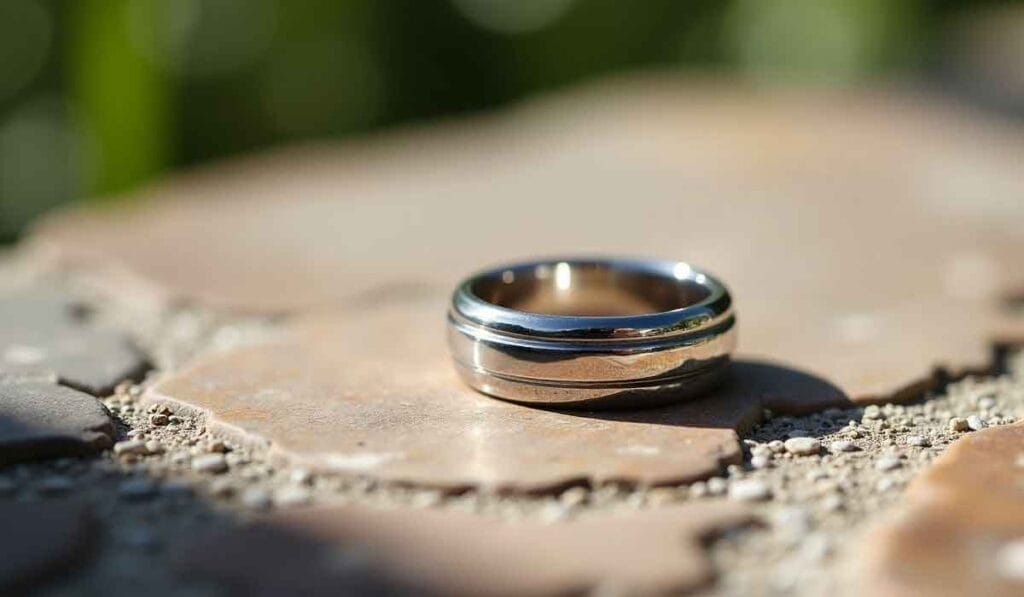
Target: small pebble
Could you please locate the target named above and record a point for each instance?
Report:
(749, 490)
(833, 502)
(698, 489)
(760, 461)
(888, 463)
(918, 441)
(159, 420)
(872, 412)
(803, 446)
(717, 486)
(301, 476)
(209, 463)
(885, 484)
(135, 447)
(217, 446)
(958, 424)
(154, 447)
(975, 423)
(776, 446)
(842, 445)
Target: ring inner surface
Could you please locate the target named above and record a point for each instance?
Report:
(587, 290)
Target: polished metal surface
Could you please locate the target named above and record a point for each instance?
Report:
(592, 333)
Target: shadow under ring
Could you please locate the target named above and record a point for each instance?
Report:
(592, 333)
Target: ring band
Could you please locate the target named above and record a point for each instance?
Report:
(592, 333)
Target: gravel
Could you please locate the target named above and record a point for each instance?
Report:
(749, 490)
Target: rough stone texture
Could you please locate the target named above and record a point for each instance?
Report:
(374, 394)
(42, 338)
(40, 541)
(867, 237)
(964, 517)
(452, 553)
(39, 420)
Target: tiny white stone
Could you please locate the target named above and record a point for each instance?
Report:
(749, 490)
(919, 441)
(803, 446)
(958, 424)
(888, 463)
(842, 445)
(131, 446)
(975, 423)
(885, 484)
(209, 463)
(717, 486)
(302, 476)
(832, 502)
(873, 412)
(760, 461)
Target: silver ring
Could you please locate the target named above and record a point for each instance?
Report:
(592, 333)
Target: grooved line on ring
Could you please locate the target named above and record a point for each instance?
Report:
(624, 384)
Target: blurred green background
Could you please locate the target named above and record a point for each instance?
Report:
(99, 96)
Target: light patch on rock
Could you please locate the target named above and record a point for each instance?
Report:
(638, 450)
(361, 461)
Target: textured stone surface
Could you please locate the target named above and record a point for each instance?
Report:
(867, 237)
(39, 420)
(964, 522)
(40, 541)
(453, 553)
(374, 393)
(42, 338)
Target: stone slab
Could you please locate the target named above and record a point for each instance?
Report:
(42, 420)
(374, 394)
(963, 531)
(319, 551)
(868, 237)
(40, 541)
(42, 338)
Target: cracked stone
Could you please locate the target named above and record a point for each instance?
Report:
(43, 420)
(654, 552)
(876, 328)
(41, 339)
(964, 514)
(325, 394)
(41, 540)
